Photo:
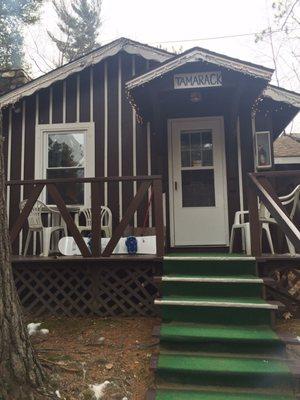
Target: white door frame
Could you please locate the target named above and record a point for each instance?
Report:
(220, 119)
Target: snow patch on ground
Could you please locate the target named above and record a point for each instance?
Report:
(33, 328)
(99, 390)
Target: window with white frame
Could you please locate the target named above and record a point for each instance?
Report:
(67, 152)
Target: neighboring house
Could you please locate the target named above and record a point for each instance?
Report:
(133, 109)
(287, 158)
(287, 151)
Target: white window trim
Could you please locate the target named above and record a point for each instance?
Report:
(40, 151)
(287, 160)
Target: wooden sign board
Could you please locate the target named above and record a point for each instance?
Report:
(197, 80)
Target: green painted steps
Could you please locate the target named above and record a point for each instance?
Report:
(216, 333)
(169, 394)
(223, 286)
(210, 310)
(220, 338)
(209, 267)
(223, 371)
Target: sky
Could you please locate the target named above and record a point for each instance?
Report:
(178, 25)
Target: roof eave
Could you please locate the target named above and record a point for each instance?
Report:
(78, 65)
(200, 55)
(282, 95)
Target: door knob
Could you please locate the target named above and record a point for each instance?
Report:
(175, 185)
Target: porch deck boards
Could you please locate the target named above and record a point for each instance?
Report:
(64, 259)
(146, 257)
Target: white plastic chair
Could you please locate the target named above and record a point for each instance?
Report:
(35, 224)
(106, 220)
(239, 223)
(266, 219)
(293, 199)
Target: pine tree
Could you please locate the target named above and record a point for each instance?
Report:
(79, 27)
(21, 375)
(14, 15)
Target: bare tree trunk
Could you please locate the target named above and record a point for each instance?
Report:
(21, 376)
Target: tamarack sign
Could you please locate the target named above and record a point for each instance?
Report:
(197, 80)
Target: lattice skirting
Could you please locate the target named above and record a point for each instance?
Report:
(80, 289)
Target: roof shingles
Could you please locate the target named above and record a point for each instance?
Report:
(287, 146)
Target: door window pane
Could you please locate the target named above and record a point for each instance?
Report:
(196, 149)
(207, 148)
(185, 158)
(185, 142)
(198, 188)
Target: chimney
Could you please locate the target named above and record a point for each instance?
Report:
(12, 78)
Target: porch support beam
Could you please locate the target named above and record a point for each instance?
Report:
(96, 218)
(232, 151)
(159, 218)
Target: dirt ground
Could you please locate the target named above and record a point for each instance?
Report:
(291, 327)
(79, 352)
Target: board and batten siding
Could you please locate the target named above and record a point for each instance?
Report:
(96, 94)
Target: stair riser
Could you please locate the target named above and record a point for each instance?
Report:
(233, 347)
(250, 381)
(211, 315)
(214, 290)
(221, 268)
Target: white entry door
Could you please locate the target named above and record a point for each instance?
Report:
(198, 187)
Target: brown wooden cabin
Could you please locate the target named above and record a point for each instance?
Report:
(166, 142)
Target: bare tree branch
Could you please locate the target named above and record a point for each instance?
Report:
(289, 13)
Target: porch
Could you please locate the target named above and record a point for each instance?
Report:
(102, 283)
(145, 208)
(145, 214)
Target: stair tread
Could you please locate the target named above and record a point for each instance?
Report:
(165, 394)
(210, 332)
(257, 300)
(247, 302)
(213, 278)
(206, 364)
(207, 256)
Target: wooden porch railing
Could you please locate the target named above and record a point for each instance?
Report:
(261, 187)
(145, 183)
